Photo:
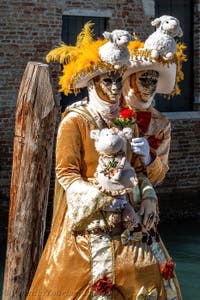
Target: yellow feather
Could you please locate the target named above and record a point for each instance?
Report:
(134, 45)
(85, 37)
(60, 54)
(180, 58)
(77, 60)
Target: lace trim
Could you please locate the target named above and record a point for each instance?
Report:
(110, 192)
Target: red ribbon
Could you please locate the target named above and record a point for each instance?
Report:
(143, 120)
(154, 142)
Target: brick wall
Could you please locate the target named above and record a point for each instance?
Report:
(179, 193)
(27, 32)
(29, 29)
(196, 54)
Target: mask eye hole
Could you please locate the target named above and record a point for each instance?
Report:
(143, 80)
(119, 80)
(107, 80)
(154, 82)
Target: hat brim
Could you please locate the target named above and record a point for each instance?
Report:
(83, 80)
(167, 73)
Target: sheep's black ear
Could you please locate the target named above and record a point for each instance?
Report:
(156, 22)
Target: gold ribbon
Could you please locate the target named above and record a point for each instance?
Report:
(145, 295)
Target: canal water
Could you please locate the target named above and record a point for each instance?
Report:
(182, 240)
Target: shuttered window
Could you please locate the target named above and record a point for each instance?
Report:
(71, 27)
(182, 10)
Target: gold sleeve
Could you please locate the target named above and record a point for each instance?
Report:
(83, 199)
(68, 152)
(146, 189)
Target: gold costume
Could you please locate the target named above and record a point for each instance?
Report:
(160, 128)
(71, 262)
(85, 257)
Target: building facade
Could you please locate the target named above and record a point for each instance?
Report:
(30, 28)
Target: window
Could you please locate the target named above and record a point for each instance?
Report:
(71, 27)
(182, 10)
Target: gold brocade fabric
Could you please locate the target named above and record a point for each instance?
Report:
(64, 270)
(159, 127)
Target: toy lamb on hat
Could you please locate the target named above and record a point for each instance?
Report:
(161, 53)
(115, 51)
(161, 42)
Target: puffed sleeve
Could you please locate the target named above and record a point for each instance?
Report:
(68, 152)
(146, 189)
(83, 199)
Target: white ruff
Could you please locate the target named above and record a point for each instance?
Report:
(131, 99)
(97, 105)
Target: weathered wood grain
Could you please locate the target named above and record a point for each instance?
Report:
(32, 159)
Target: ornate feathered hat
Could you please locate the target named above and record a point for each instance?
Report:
(90, 57)
(161, 53)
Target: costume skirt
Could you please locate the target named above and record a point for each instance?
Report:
(100, 266)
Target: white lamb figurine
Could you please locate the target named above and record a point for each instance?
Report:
(114, 173)
(161, 42)
(115, 51)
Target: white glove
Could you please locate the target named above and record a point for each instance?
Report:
(141, 147)
(117, 204)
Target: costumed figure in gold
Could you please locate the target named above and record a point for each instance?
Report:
(86, 255)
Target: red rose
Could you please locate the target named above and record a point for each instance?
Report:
(154, 142)
(167, 270)
(103, 285)
(126, 113)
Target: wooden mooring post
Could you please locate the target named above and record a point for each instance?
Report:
(32, 158)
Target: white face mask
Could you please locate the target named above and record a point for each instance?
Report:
(146, 83)
(106, 100)
(109, 86)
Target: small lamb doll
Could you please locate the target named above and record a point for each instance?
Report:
(114, 173)
(161, 42)
(115, 51)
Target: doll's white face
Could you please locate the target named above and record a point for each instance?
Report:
(146, 82)
(109, 86)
